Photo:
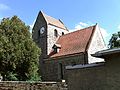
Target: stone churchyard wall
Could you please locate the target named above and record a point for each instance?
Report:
(86, 78)
(104, 76)
(21, 85)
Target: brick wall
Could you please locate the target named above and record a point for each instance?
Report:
(17, 85)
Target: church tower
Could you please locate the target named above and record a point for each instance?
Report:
(46, 32)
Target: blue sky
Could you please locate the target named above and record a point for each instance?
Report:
(74, 13)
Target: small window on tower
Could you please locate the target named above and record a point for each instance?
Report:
(55, 33)
(62, 33)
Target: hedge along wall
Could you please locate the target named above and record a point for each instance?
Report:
(21, 85)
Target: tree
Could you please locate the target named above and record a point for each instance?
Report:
(115, 40)
(19, 55)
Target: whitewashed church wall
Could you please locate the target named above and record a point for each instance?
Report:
(97, 44)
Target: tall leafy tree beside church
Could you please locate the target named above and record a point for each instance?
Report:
(115, 40)
(19, 55)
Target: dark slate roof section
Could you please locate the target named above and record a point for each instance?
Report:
(106, 52)
(80, 66)
(75, 42)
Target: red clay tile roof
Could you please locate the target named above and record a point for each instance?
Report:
(53, 21)
(75, 42)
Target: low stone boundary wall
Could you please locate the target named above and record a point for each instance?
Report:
(87, 77)
(22, 85)
(101, 76)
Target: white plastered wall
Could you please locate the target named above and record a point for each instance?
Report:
(97, 44)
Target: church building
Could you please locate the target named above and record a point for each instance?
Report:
(61, 48)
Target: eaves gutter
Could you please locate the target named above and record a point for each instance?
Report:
(106, 52)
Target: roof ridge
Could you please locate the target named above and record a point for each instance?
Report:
(77, 30)
(75, 42)
(54, 21)
(44, 15)
(49, 16)
(90, 39)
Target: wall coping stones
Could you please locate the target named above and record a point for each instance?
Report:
(79, 66)
(32, 85)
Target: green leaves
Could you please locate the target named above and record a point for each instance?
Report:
(19, 55)
(115, 40)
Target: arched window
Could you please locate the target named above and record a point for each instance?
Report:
(55, 33)
(62, 33)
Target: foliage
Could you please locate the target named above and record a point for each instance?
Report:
(115, 40)
(19, 55)
(11, 76)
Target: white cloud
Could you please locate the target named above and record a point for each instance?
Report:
(31, 26)
(79, 26)
(4, 7)
(82, 25)
(104, 33)
(118, 27)
(1, 18)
